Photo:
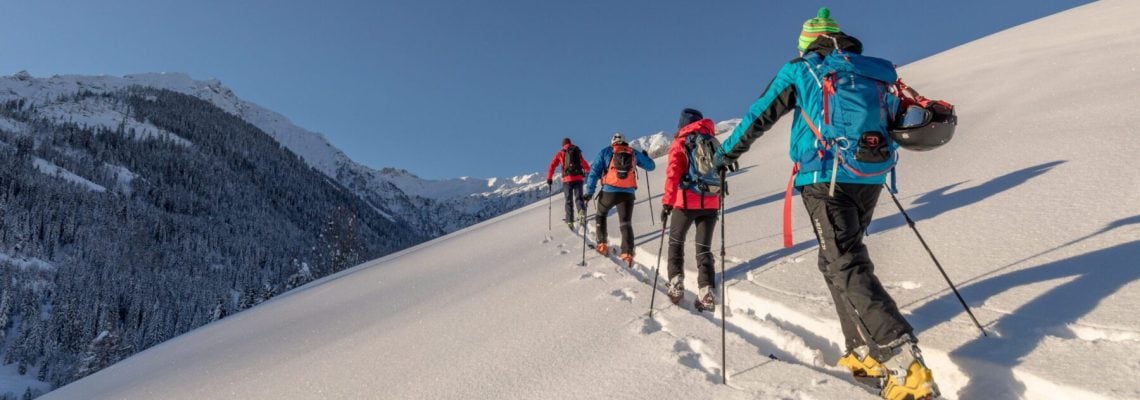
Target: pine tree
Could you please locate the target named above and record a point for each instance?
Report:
(219, 310)
(301, 277)
(107, 348)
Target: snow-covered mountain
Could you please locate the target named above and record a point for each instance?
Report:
(432, 207)
(119, 232)
(658, 143)
(1031, 208)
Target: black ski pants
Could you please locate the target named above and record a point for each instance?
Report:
(867, 314)
(624, 204)
(573, 194)
(679, 223)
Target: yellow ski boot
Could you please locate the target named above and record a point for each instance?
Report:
(907, 377)
(864, 368)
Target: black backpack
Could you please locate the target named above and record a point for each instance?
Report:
(623, 161)
(572, 161)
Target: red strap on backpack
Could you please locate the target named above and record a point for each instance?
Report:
(788, 207)
(828, 90)
(792, 179)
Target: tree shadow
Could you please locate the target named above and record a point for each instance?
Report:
(1094, 277)
(939, 201)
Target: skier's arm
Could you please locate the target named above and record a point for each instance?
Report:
(778, 99)
(595, 173)
(674, 169)
(644, 161)
(585, 165)
(554, 164)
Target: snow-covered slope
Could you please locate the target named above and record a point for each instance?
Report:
(1032, 209)
(432, 207)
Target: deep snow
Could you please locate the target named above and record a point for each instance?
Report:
(1032, 208)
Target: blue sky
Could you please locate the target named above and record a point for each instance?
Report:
(478, 88)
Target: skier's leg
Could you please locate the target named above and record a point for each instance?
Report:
(605, 203)
(846, 263)
(706, 262)
(568, 194)
(625, 214)
(578, 196)
(679, 224)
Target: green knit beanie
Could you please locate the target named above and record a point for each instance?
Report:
(816, 27)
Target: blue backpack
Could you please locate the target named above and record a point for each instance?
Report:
(701, 177)
(854, 130)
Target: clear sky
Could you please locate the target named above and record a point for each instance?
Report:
(478, 88)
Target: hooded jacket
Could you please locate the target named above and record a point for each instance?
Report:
(795, 89)
(678, 166)
(558, 160)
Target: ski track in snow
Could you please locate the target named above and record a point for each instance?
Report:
(780, 340)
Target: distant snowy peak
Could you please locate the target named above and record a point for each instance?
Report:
(444, 189)
(657, 144)
(314, 148)
(311, 146)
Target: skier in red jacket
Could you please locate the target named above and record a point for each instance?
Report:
(574, 170)
(693, 207)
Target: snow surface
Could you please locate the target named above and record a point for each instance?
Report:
(49, 168)
(25, 263)
(125, 176)
(12, 382)
(1031, 209)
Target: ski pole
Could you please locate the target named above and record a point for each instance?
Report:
(652, 215)
(656, 271)
(723, 300)
(549, 213)
(936, 263)
(586, 206)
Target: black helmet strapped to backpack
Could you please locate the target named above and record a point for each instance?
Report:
(922, 124)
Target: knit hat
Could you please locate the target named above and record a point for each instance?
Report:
(688, 116)
(618, 138)
(816, 27)
(565, 141)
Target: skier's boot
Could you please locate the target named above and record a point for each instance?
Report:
(627, 258)
(570, 224)
(603, 249)
(864, 368)
(676, 289)
(706, 300)
(907, 376)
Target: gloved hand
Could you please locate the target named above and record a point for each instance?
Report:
(587, 196)
(723, 166)
(549, 182)
(645, 153)
(665, 211)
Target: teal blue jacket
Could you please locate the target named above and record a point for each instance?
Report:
(602, 163)
(794, 89)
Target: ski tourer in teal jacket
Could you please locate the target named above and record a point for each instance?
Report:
(795, 89)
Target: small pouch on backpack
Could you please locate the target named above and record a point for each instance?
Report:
(873, 148)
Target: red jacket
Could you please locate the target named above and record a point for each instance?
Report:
(559, 161)
(679, 165)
